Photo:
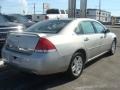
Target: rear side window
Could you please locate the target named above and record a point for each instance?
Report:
(48, 26)
(87, 27)
(78, 30)
(99, 28)
(52, 11)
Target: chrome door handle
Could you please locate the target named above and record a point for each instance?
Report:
(86, 39)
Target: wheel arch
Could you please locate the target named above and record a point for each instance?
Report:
(83, 52)
(115, 39)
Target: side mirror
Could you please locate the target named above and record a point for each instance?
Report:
(106, 31)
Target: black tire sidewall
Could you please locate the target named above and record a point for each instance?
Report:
(111, 52)
(69, 71)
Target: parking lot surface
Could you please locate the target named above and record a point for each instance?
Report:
(101, 74)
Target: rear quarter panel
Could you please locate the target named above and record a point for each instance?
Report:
(67, 45)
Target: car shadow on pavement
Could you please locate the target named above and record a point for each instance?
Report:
(10, 79)
(96, 60)
(52, 81)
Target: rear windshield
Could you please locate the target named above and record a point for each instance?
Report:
(48, 26)
(52, 11)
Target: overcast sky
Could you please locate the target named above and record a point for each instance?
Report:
(17, 6)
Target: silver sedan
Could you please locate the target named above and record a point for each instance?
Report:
(54, 46)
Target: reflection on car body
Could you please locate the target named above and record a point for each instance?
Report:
(7, 26)
(17, 18)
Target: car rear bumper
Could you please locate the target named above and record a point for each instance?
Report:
(39, 63)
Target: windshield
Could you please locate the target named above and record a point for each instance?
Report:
(52, 11)
(19, 18)
(49, 26)
(3, 19)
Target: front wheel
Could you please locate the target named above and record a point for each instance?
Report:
(76, 66)
(113, 48)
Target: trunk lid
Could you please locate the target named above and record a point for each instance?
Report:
(22, 42)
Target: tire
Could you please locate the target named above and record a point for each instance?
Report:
(113, 48)
(76, 66)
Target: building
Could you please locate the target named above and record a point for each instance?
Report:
(115, 20)
(104, 16)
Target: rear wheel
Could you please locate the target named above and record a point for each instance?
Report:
(113, 48)
(76, 66)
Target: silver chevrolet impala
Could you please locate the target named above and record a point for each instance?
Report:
(54, 46)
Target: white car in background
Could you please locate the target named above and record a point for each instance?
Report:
(56, 14)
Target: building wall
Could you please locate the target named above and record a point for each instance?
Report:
(94, 14)
(104, 16)
(91, 13)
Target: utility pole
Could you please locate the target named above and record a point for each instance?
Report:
(43, 8)
(34, 9)
(46, 6)
(99, 10)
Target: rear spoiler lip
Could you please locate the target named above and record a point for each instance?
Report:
(24, 33)
(32, 33)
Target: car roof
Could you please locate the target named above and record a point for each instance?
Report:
(79, 19)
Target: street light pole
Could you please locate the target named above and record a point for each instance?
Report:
(99, 10)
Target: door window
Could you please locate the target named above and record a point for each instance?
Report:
(87, 27)
(99, 28)
(79, 30)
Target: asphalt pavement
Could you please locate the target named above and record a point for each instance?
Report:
(102, 73)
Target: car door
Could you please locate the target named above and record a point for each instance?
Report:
(104, 39)
(91, 39)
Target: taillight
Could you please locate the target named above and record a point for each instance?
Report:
(46, 17)
(44, 45)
